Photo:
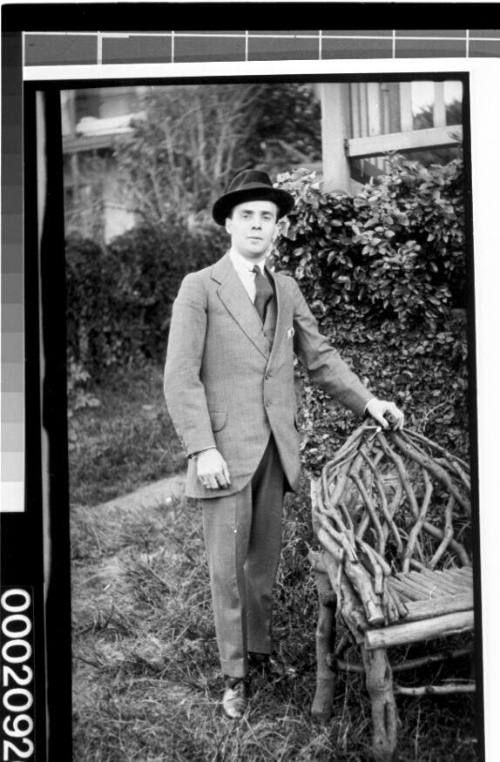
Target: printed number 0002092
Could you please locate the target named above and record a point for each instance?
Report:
(17, 698)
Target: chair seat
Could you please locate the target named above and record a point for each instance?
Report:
(439, 603)
(430, 593)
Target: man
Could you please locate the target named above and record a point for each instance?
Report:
(229, 387)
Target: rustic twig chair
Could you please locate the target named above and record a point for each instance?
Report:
(392, 515)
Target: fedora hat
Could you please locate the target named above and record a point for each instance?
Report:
(251, 185)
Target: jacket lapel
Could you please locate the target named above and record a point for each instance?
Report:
(280, 292)
(233, 295)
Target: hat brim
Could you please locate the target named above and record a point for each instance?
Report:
(259, 192)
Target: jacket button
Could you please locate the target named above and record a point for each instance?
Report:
(267, 403)
(268, 375)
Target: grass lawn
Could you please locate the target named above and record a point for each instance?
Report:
(146, 680)
(126, 441)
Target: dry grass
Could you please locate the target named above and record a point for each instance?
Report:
(146, 680)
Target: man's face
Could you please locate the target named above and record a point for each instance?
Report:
(251, 227)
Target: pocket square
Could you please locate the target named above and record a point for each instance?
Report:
(290, 333)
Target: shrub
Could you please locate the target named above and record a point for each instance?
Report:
(395, 250)
(88, 286)
(119, 297)
(79, 398)
(384, 273)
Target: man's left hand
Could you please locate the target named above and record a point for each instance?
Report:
(387, 414)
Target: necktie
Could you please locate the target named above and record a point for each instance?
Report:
(263, 292)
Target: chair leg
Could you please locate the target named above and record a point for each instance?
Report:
(325, 644)
(384, 712)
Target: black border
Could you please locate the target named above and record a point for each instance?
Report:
(148, 16)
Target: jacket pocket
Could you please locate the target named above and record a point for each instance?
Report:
(217, 419)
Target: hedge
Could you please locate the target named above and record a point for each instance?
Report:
(119, 297)
(385, 275)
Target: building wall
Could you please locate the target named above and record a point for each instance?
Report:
(94, 205)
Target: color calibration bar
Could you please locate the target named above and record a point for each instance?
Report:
(12, 384)
(12, 335)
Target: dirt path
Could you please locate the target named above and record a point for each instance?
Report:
(157, 493)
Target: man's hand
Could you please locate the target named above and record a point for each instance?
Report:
(212, 469)
(387, 414)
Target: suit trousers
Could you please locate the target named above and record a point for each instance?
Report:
(243, 541)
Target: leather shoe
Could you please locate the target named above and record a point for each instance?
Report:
(259, 663)
(235, 699)
(269, 666)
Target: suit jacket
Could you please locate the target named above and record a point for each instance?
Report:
(229, 385)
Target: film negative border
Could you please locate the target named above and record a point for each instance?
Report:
(103, 48)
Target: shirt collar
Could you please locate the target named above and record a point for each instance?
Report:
(241, 264)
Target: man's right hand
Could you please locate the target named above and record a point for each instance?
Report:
(212, 469)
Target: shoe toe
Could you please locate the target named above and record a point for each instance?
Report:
(234, 702)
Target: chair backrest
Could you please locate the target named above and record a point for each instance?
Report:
(399, 497)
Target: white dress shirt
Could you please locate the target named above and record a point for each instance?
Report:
(244, 268)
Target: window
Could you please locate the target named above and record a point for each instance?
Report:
(453, 102)
(423, 100)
